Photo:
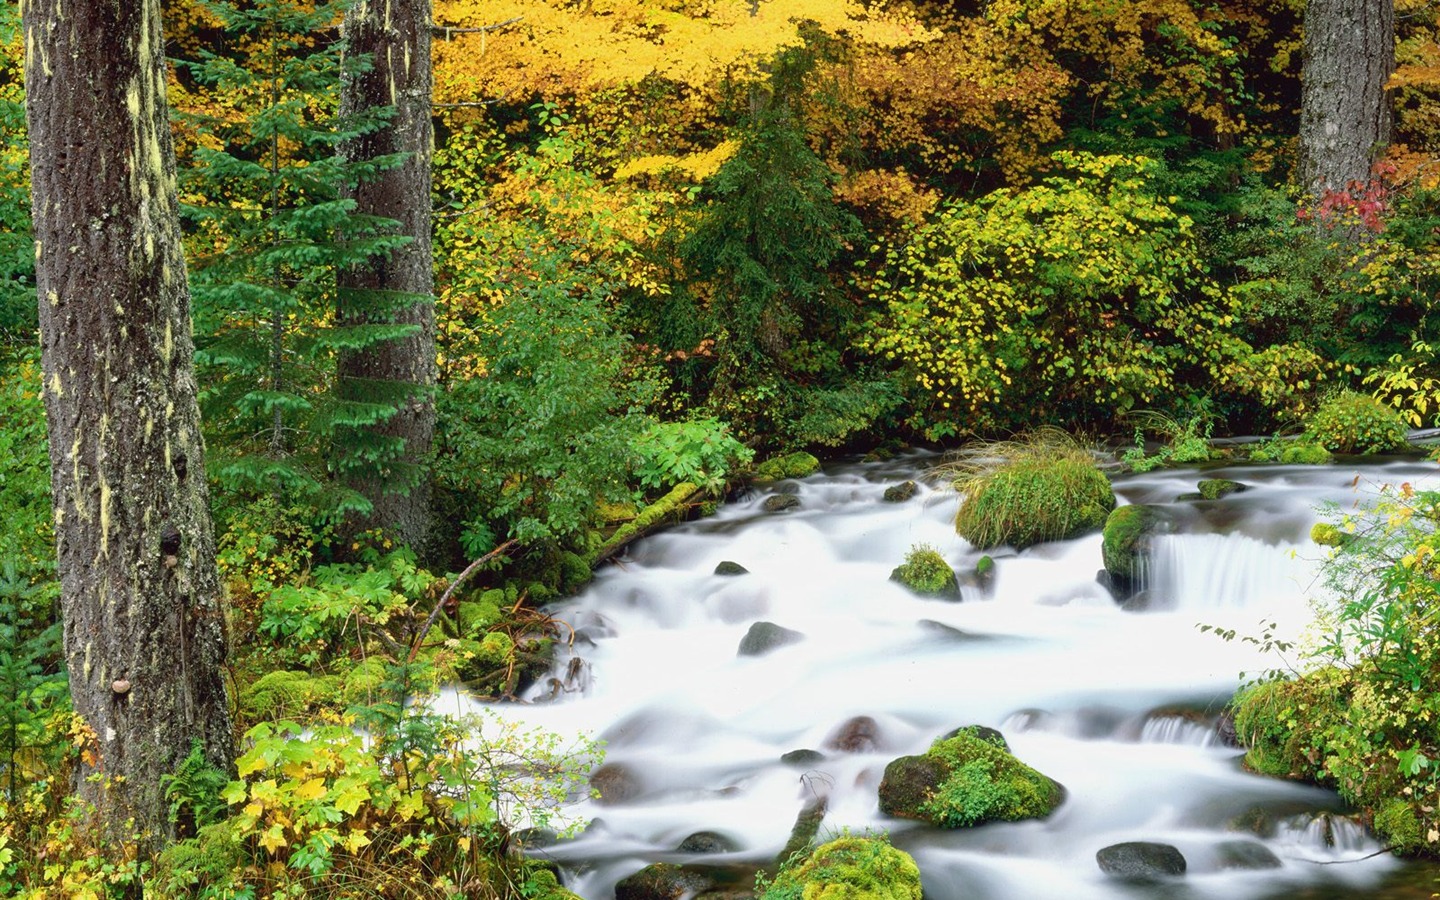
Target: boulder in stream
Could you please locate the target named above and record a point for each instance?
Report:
(858, 868)
(1218, 488)
(1125, 547)
(899, 493)
(615, 783)
(764, 637)
(925, 572)
(663, 881)
(780, 502)
(858, 735)
(707, 842)
(1141, 861)
(967, 780)
(730, 568)
(1245, 855)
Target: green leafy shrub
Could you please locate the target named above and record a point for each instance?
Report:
(1362, 715)
(1350, 422)
(847, 868)
(1292, 451)
(1066, 301)
(926, 572)
(1043, 487)
(701, 451)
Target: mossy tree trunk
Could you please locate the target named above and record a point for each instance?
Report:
(140, 598)
(1344, 112)
(395, 35)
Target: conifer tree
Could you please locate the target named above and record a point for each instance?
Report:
(395, 36)
(274, 227)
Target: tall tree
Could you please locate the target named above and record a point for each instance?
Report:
(1344, 112)
(397, 286)
(140, 598)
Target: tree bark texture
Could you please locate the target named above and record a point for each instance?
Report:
(1344, 110)
(140, 598)
(395, 35)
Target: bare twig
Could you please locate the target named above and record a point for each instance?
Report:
(445, 598)
(448, 30)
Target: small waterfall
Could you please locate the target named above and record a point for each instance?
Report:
(1196, 572)
(1177, 730)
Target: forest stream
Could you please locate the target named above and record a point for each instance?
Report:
(1120, 706)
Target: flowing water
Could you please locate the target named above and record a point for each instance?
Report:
(1118, 706)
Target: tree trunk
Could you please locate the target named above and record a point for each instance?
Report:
(1344, 112)
(144, 626)
(395, 35)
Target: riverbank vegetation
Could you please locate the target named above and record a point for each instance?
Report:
(673, 242)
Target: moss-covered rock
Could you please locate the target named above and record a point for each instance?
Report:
(791, 465)
(285, 694)
(729, 569)
(575, 572)
(966, 780)
(663, 881)
(780, 503)
(1398, 824)
(849, 868)
(543, 885)
(1351, 422)
(926, 572)
(1305, 453)
(899, 493)
(1126, 542)
(1034, 499)
(1218, 488)
(474, 617)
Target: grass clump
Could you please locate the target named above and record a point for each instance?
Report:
(1186, 440)
(1351, 422)
(926, 572)
(1041, 487)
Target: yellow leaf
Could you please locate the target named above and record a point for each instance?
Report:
(357, 839)
(249, 764)
(313, 789)
(273, 838)
(254, 809)
(464, 844)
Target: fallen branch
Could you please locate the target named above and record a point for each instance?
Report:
(668, 510)
(445, 598)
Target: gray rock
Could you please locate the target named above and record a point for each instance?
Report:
(708, 842)
(615, 783)
(663, 881)
(764, 637)
(780, 502)
(1245, 855)
(1141, 861)
(802, 758)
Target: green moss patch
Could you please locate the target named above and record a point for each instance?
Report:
(849, 868)
(1126, 540)
(791, 465)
